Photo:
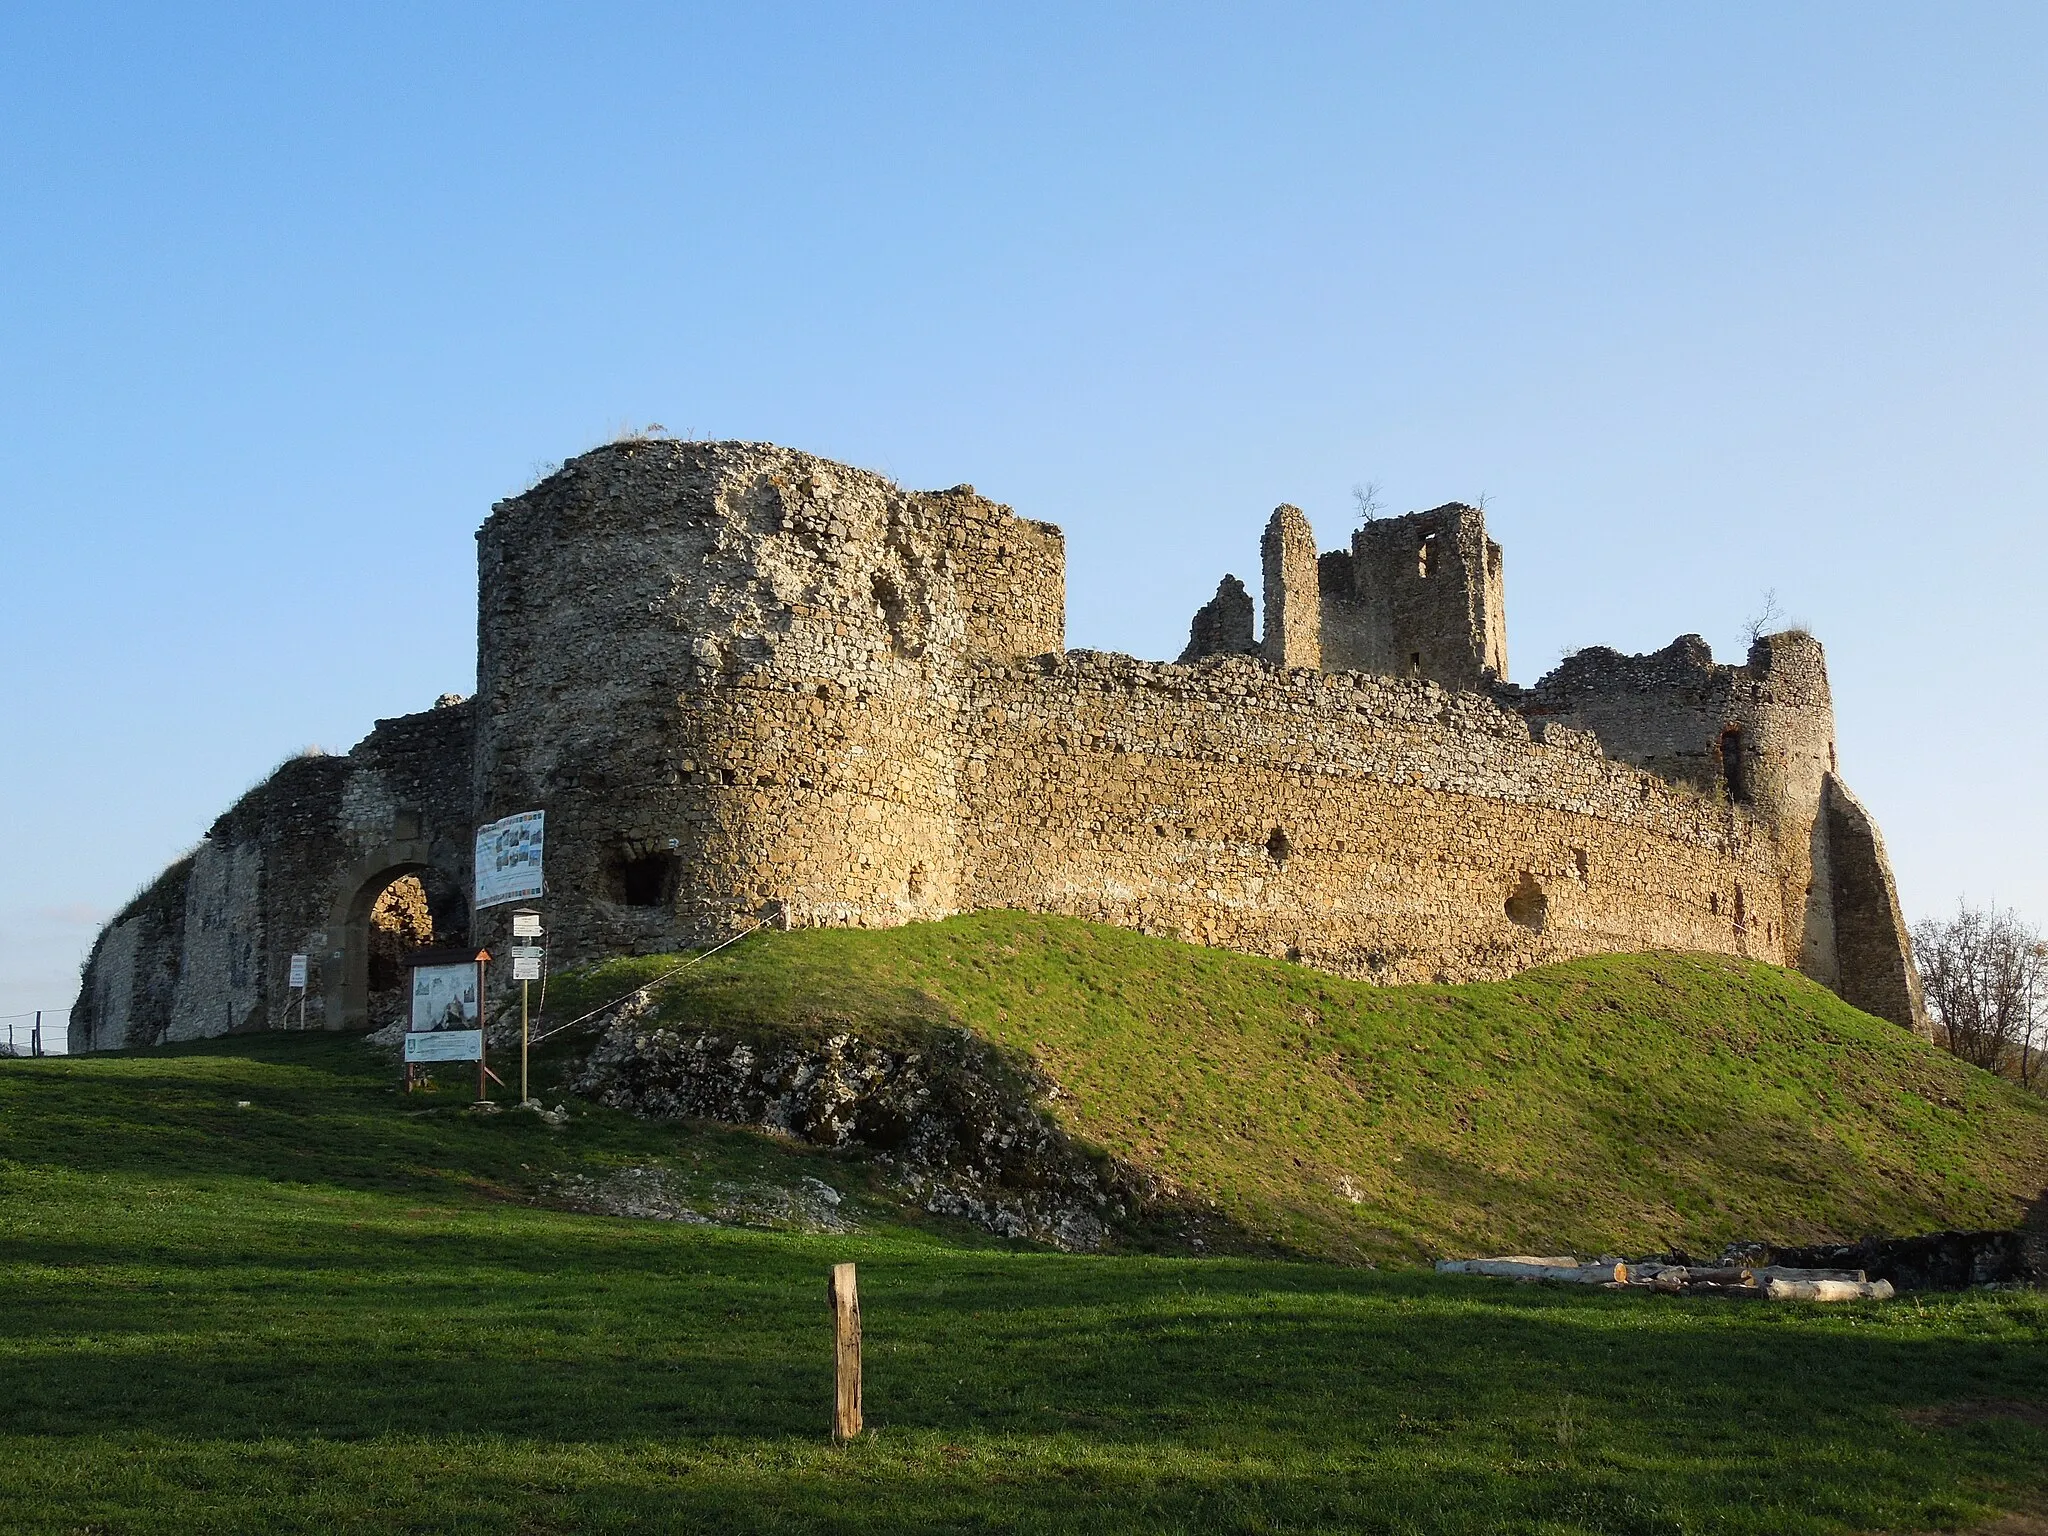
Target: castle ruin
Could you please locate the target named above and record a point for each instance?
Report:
(744, 683)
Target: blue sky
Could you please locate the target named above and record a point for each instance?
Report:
(1704, 300)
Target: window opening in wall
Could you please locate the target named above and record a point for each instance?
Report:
(1425, 556)
(1714, 902)
(1732, 765)
(1528, 905)
(642, 879)
(1277, 846)
(1582, 864)
(1415, 663)
(915, 883)
(1741, 911)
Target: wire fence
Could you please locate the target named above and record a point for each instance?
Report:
(38, 1032)
(651, 983)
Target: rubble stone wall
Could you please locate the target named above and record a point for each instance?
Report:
(1374, 827)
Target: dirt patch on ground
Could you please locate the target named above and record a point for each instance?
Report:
(1977, 1409)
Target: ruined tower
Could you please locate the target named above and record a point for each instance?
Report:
(729, 673)
(1287, 555)
(1418, 596)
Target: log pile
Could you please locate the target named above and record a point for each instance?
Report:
(1769, 1282)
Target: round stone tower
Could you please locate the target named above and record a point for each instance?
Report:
(726, 672)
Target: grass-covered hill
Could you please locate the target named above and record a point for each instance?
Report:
(1625, 1102)
(246, 1286)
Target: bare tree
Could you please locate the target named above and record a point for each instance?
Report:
(1762, 621)
(1366, 498)
(1986, 977)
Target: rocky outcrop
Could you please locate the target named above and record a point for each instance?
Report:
(958, 1127)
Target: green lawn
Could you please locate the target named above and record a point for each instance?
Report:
(330, 1311)
(1626, 1102)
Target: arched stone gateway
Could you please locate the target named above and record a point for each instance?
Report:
(345, 971)
(739, 678)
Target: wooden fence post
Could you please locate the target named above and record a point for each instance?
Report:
(845, 1298)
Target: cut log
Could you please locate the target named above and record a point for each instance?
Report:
(1715, 1288)
(1721, 1275)
(1523, 1269)
(1786, 1272)
(1828, 1290)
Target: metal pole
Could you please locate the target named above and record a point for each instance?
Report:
(525, 1037)
(36, 1039)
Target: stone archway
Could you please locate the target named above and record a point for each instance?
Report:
(345, 975)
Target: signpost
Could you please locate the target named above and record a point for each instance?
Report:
(298, 983)
(526, 964)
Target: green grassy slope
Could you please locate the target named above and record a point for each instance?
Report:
(1638, 1102)
(332, 1311)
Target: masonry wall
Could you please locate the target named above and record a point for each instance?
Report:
(206, 950)
(742, 662)
(1370, 826)
(1420, 595)
(1679, 714)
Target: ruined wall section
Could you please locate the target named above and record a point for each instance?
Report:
(1877, 971)
(1009, 571)
(1422, 596)
(1760, 735)
(1293, 604)
(206, 950)
(729, 673)
(131, 975)
(1225, 625)
(1375, 827)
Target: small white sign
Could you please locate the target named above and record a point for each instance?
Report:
(299, 972)
(525, 925)
(444, 1045)
(508, 859)
(527, 952)
(524, 969)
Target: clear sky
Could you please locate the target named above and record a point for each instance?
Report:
(1705, 300)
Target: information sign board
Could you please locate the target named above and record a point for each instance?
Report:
(508, 859)
(299, 972)
(443, 997)
(525, 970)
(444, 1045)
(525, 925)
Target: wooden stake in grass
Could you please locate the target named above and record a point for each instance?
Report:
(845, 1299)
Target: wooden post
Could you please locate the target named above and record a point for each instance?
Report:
(525, 1032)
(845, 1298)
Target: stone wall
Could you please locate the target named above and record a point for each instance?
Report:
(1759, 735)
(292, 867)
(1376, 827)
(1418, 596)
(747, 683)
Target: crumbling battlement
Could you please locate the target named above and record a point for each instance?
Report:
(745, 682)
